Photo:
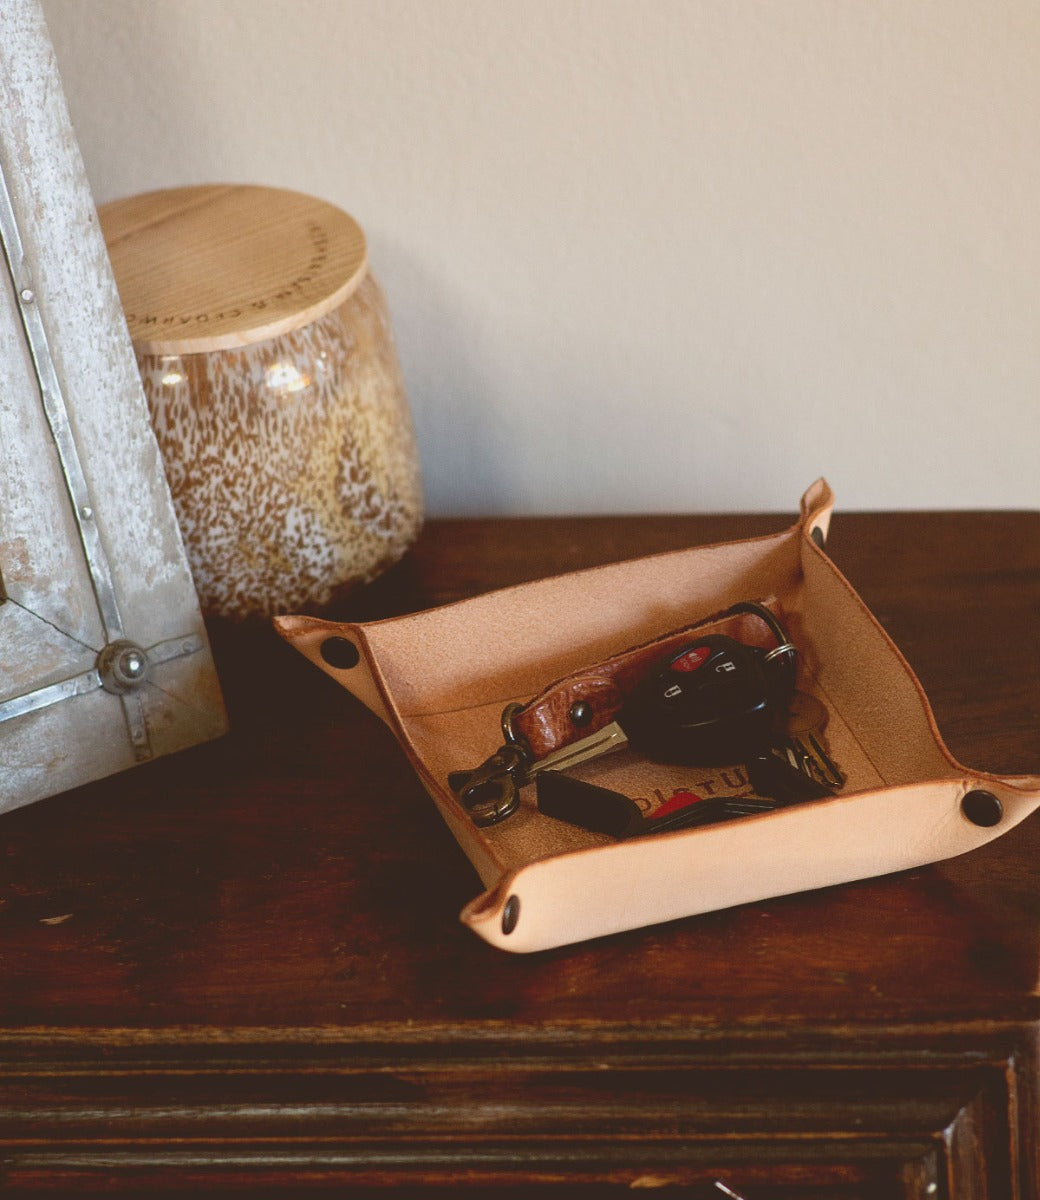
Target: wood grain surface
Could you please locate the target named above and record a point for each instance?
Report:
(220, 266)
(240, 968)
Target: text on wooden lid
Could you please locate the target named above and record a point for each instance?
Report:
(220, 266)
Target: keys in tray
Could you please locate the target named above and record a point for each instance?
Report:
(713, 702)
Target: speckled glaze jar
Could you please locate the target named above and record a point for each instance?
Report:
(275, 393)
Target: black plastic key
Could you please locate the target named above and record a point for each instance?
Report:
(602, 810)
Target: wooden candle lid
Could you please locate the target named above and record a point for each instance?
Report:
(223, 266)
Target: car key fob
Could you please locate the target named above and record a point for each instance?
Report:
(715, 701)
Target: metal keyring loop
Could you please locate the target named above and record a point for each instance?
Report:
(509, 732)
(785, 648)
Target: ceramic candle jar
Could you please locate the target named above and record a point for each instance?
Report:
(268, 361)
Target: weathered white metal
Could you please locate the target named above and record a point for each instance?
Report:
(104, 660)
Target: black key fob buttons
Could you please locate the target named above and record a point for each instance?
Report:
(714, 701)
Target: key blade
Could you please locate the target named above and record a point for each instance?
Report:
(774, 774)
(610, 737)
(818, 763)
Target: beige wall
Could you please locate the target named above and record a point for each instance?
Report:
(676, 254)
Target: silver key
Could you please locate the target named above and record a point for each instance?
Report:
(816, 762)
(610, 737)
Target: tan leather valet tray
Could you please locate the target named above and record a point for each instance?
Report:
(549, 883)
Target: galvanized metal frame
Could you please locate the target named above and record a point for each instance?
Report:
(104, 659)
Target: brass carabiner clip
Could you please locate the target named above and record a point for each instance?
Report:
(492, 791)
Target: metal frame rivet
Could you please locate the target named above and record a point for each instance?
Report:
(122, 667)
(133, 664)
(510, 915)
(27, 295)
(982, 808)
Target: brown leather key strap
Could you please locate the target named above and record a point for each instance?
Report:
(586, 701)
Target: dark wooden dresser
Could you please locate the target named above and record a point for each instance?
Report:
(239, 970)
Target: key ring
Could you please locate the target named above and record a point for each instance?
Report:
(776, 628)
(785, 648)
(509, 733)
